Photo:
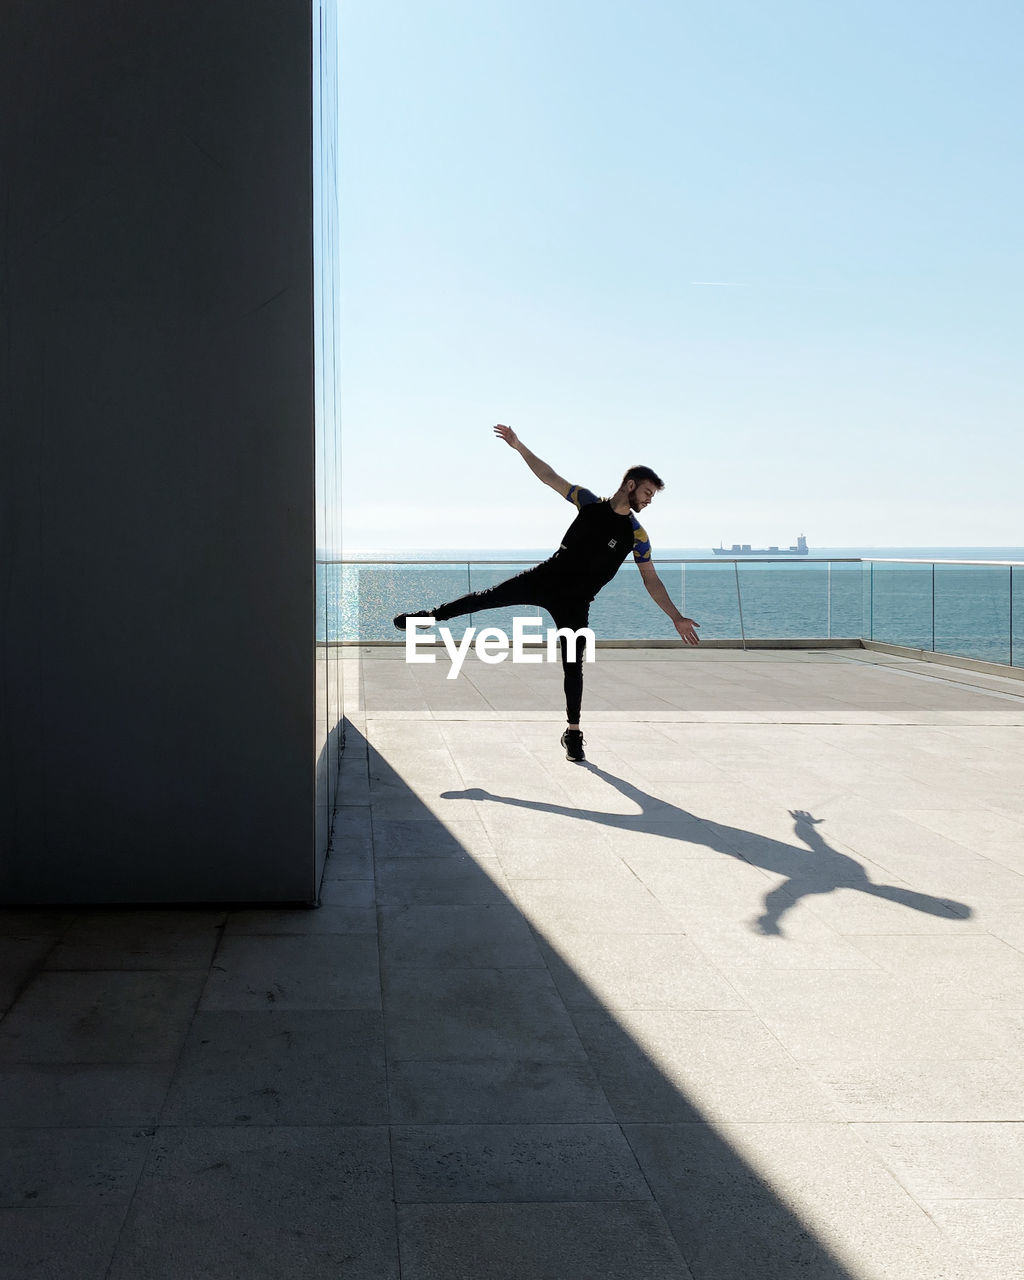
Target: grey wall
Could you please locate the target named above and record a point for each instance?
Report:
(157, 669)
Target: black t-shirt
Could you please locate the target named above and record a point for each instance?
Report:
(596, 543)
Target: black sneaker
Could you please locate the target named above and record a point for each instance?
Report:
(399, 619)
(572, 740)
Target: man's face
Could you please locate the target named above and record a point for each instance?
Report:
(641, 494)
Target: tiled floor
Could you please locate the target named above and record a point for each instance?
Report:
(741, 997)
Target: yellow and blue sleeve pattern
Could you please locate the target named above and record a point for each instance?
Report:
(641, 542)
(580, 497)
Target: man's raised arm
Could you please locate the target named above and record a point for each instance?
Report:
(540, 469)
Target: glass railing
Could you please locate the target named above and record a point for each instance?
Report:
(961, 608)
(964, 608)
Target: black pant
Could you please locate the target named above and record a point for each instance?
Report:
(547, 590)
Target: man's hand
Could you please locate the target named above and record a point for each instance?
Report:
(687, 630)
(539, 468)
(508, 435)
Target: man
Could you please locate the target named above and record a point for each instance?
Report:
(604, 532)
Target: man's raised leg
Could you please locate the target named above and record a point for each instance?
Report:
(523, 588)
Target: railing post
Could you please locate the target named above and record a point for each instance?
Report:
(828, 600)
(739, 604)
(1009, 570)
(933, 606)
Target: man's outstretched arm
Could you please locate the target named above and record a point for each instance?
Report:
(686, 627)
(539, 468)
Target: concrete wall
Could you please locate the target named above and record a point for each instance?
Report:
(157, 657)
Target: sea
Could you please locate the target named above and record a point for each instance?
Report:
(899, 595)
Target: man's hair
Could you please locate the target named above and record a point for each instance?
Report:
(640, 474)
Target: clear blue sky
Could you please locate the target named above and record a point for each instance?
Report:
(771, 248)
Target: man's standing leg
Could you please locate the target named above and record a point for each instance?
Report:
(572, 616)
(533, 587)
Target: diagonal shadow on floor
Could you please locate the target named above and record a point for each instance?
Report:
(533, 1134)
(811, 868)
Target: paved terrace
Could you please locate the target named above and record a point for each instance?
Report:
(741, 998)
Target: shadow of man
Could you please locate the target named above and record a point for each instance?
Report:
(812, 867)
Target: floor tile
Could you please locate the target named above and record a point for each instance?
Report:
(120, 941)
(351, 894)
(262, 1202)
(35, 922)
(496, 1090)
(973, 969)
(538, 1242)
(492, 936)
(67, 1095)
(961, 1161)
(593, 906)
(871, 1015)
(672, 1065)
(70, 1242)
(989, 1232)
(281, 1067)
(504, 1163)
(425, 837)
(322, 971)
(71, 1168)
(451, 881)
(102, 1017)
(20, 959)
(955, 1089)
(624, 971)
(356, 915)
(471, 1014)
(803, 1200)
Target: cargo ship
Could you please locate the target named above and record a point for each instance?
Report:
(745, 549)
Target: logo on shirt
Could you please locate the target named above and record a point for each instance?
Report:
(612, 541)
